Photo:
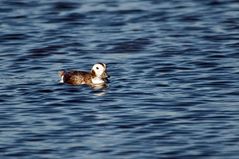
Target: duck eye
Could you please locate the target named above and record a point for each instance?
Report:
(97, 68)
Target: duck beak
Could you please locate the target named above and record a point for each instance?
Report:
(105, 75)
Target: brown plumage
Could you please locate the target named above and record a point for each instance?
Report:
(97, 76)
(77, 77)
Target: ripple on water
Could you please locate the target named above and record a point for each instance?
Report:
(135, 45)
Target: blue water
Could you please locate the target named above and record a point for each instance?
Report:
(174, 90)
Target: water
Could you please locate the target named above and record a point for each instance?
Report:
(174, 79)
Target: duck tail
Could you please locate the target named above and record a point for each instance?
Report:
(61, 73)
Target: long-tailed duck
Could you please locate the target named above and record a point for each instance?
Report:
(97, 76)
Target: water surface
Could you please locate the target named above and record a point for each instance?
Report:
(174, 79)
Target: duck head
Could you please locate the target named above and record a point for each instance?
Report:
(99, 70)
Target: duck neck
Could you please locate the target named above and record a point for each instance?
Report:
(97, 80)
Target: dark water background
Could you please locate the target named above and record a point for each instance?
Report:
(174, 90)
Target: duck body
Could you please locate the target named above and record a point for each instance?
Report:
(97, 76)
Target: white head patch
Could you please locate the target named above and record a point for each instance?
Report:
(99, 69)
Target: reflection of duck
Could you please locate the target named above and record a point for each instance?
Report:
(96, 77)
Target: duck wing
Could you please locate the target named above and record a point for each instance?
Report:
(76, 77)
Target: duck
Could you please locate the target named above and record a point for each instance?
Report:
(97, 76)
